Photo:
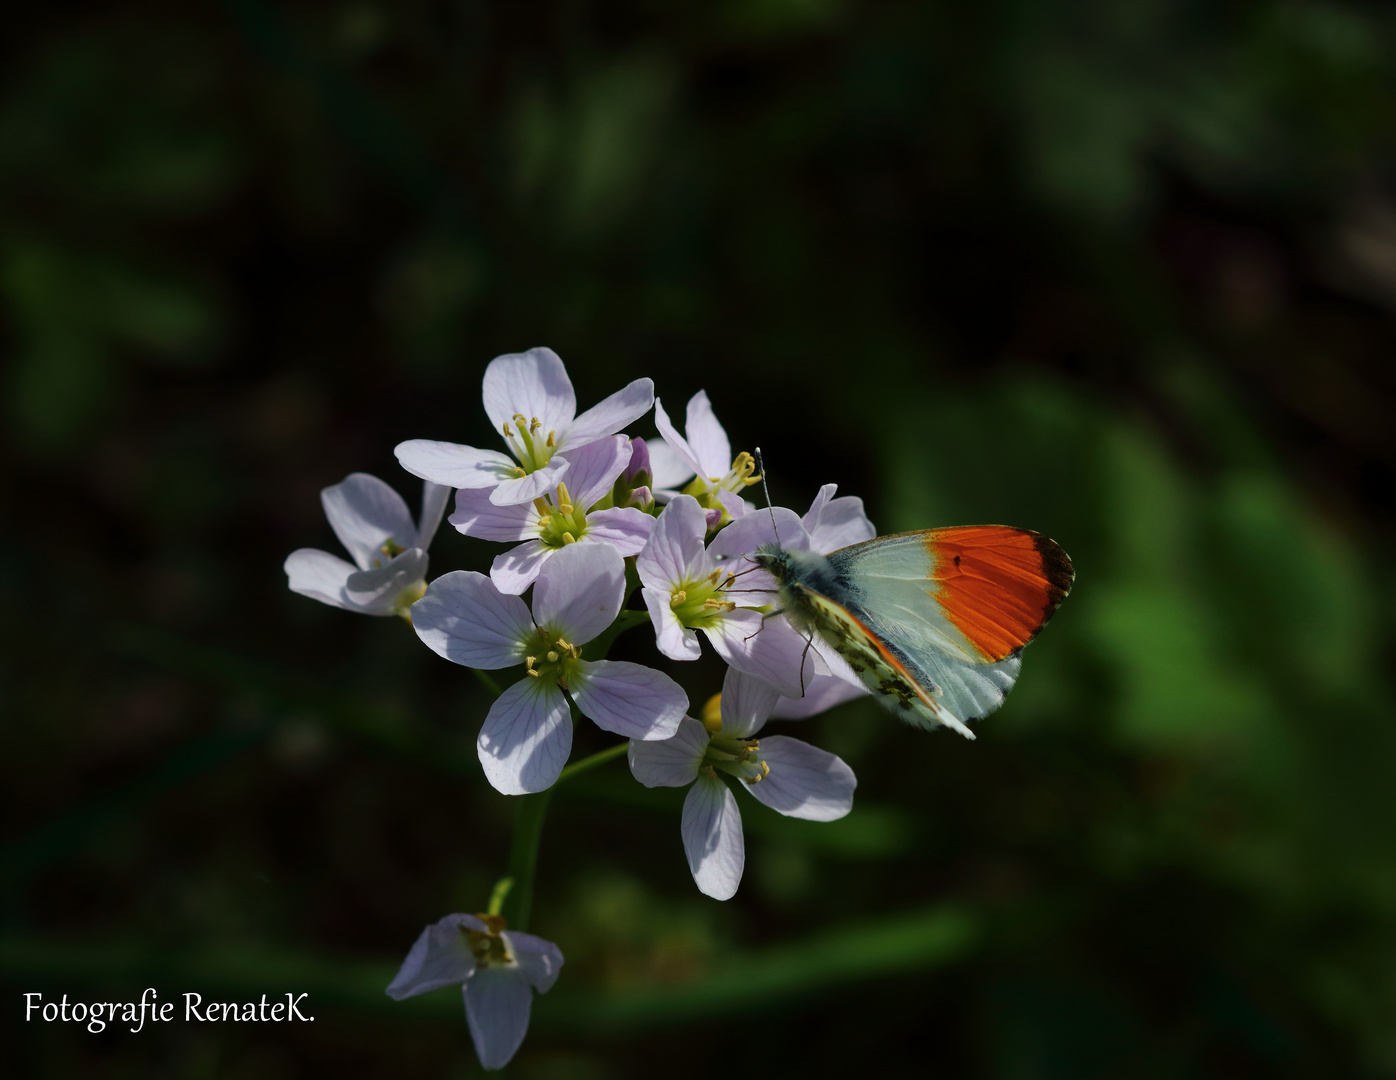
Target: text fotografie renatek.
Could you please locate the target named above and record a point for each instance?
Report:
(96, 1015)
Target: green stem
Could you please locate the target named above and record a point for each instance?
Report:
(523, 857)
(488, 681)
(599, 758)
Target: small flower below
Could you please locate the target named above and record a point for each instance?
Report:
(390, 557)
(786, 774)
(498, 970)
(706, 452)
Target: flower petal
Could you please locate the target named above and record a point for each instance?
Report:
(671, 762)
(668, 468)
(804, 781)
(822, 692)
(712, 838)
(595, 468)
(623, 527)
(497, 1004)
(580, 591)
(452, 464)
(676, 442)
(319, 575)
(434, 498)
(733, 503)
(674, 555)
(835, 523)
(674, 640)
(532, 384)
(524, 489)
(745, 534)
(526, 737)
(539, 960)
(513, 571)
(379, 591)
(610, 414)
(746, 703)
(706, 438)
(439, 957)
(629, 699)
(773, 651)
(476, 515)
(365, 513)
(466, 619)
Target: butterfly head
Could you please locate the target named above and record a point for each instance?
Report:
(773, 559)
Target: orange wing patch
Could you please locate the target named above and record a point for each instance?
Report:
(998, 585)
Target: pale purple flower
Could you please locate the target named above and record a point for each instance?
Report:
(389, 549)
(687, 591)
(529, 400)
(560, 518)
(497, 969)
(786, 774)
(705, 452)
(527, 736)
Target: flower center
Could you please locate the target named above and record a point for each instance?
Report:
(555, 659)
(740, 477)
(528, 444)
(390, 549)
(697, 603)
(560, 522)
(487, 946)
(736, 757)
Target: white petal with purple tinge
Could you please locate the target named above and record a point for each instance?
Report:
(712, 838)
(476, 516)
(671, 762)
(532, 384)
(676, 442)
(377, 591)
(836, 523)
(466, 619)
(804, 781)
(497, 1004)
(364, 513)
(771, 651)
(539, 960)
(746, 703)
(524, 489)
(439, 957)
(319, 575)
(434, 498)
(629, 699)
(706, 438)
(526, 737)
(513, 571)
(668, 468)
(673, 639)
(610, 414)
(594, 469)
(624, 528)
(675, 554)
(580, 591)
(452, 464)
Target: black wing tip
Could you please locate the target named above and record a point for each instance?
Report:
(1056, 566)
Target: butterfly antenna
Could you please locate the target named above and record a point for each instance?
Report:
(766, 488)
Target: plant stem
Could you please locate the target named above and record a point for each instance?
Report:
(523, 857)
(598, 758)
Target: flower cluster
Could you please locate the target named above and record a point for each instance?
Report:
(594, 516)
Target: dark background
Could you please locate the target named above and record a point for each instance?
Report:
(1120, 272)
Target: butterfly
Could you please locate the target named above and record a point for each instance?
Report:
(934, 622)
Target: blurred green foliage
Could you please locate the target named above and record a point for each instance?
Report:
(1122, 273)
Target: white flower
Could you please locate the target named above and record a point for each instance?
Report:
(530, 402)
(527, 735)
(686, 591)
(786, 774)
(708, 453)
(498, 970)
(389, 550)
(558, 519)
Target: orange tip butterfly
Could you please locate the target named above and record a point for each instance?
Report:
(934, 622)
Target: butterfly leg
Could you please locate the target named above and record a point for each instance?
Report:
(768, 615)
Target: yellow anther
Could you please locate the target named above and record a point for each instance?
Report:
(522, 422)
(541, 506)
(712, 715)
(553, 656)
(551, 444)
(675, 599)
(508, 431)
(714, 604)
(568, 538)
(545, 521)
(534, 674)
(519, 472)
(529, 661)
(731, 577)
(562, 644)
(534, 425)
(564, 499)
(765, 772)
(713, 576)
(712, 773)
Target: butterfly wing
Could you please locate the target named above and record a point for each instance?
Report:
(955, 606)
